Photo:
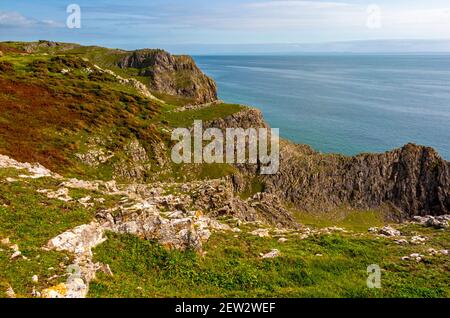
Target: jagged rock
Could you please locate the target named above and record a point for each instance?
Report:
(271, 210)
(417, 240)
(261, 232)
(79, 240)
(76, 288)
(35, 46)
(36, 170)
(173, 75)
(433, 252)
(134, 167)
(173, 233)
(219, 198)
(334, 229)
(373, 230)
(140, 87)
(61, 194)
(272, 254)
(247, 118)
(385, 231)
(389, 231)
(94, 157)
(438, 222)
(415, 256)
(81, 184)
(413, 179)
(85, 201)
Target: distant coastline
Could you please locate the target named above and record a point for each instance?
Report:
(397, 46)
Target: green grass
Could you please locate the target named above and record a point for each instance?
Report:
(254, 187)
(232, 268)
(186, 118)
(348, 218)
(30, 220)
(192, 172)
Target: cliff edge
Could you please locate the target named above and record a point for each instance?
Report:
(412, 180)
(172, 75)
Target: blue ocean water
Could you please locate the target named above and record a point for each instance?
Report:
(343, 103)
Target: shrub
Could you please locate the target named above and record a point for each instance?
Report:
(6, 67)
(39, 67)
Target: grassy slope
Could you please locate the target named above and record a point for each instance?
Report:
(232, 268)
(71, 106)
(30, 220)
(79, 105)
(186, 118)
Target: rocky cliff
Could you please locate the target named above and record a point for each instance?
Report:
(413, 180)
(170, 74)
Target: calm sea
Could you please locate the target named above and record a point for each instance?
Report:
(343, 103)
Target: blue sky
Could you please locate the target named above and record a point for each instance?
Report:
(188, 23)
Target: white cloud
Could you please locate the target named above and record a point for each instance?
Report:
(12, 19)
(297, 4)
(336, 19)
(283, 15)
(17, 20)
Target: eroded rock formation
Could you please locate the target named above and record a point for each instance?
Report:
(413, 180)
(173, 75)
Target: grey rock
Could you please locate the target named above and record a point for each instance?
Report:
(272, 254)
(163, 72)
(389, 231)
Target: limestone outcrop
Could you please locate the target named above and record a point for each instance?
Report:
(170, 74)
(412, 180)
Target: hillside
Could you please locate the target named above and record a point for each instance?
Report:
(86, 179)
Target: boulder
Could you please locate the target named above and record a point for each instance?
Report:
(272, 254)
(389, 231)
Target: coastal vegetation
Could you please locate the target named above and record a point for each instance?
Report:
(86, 179)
